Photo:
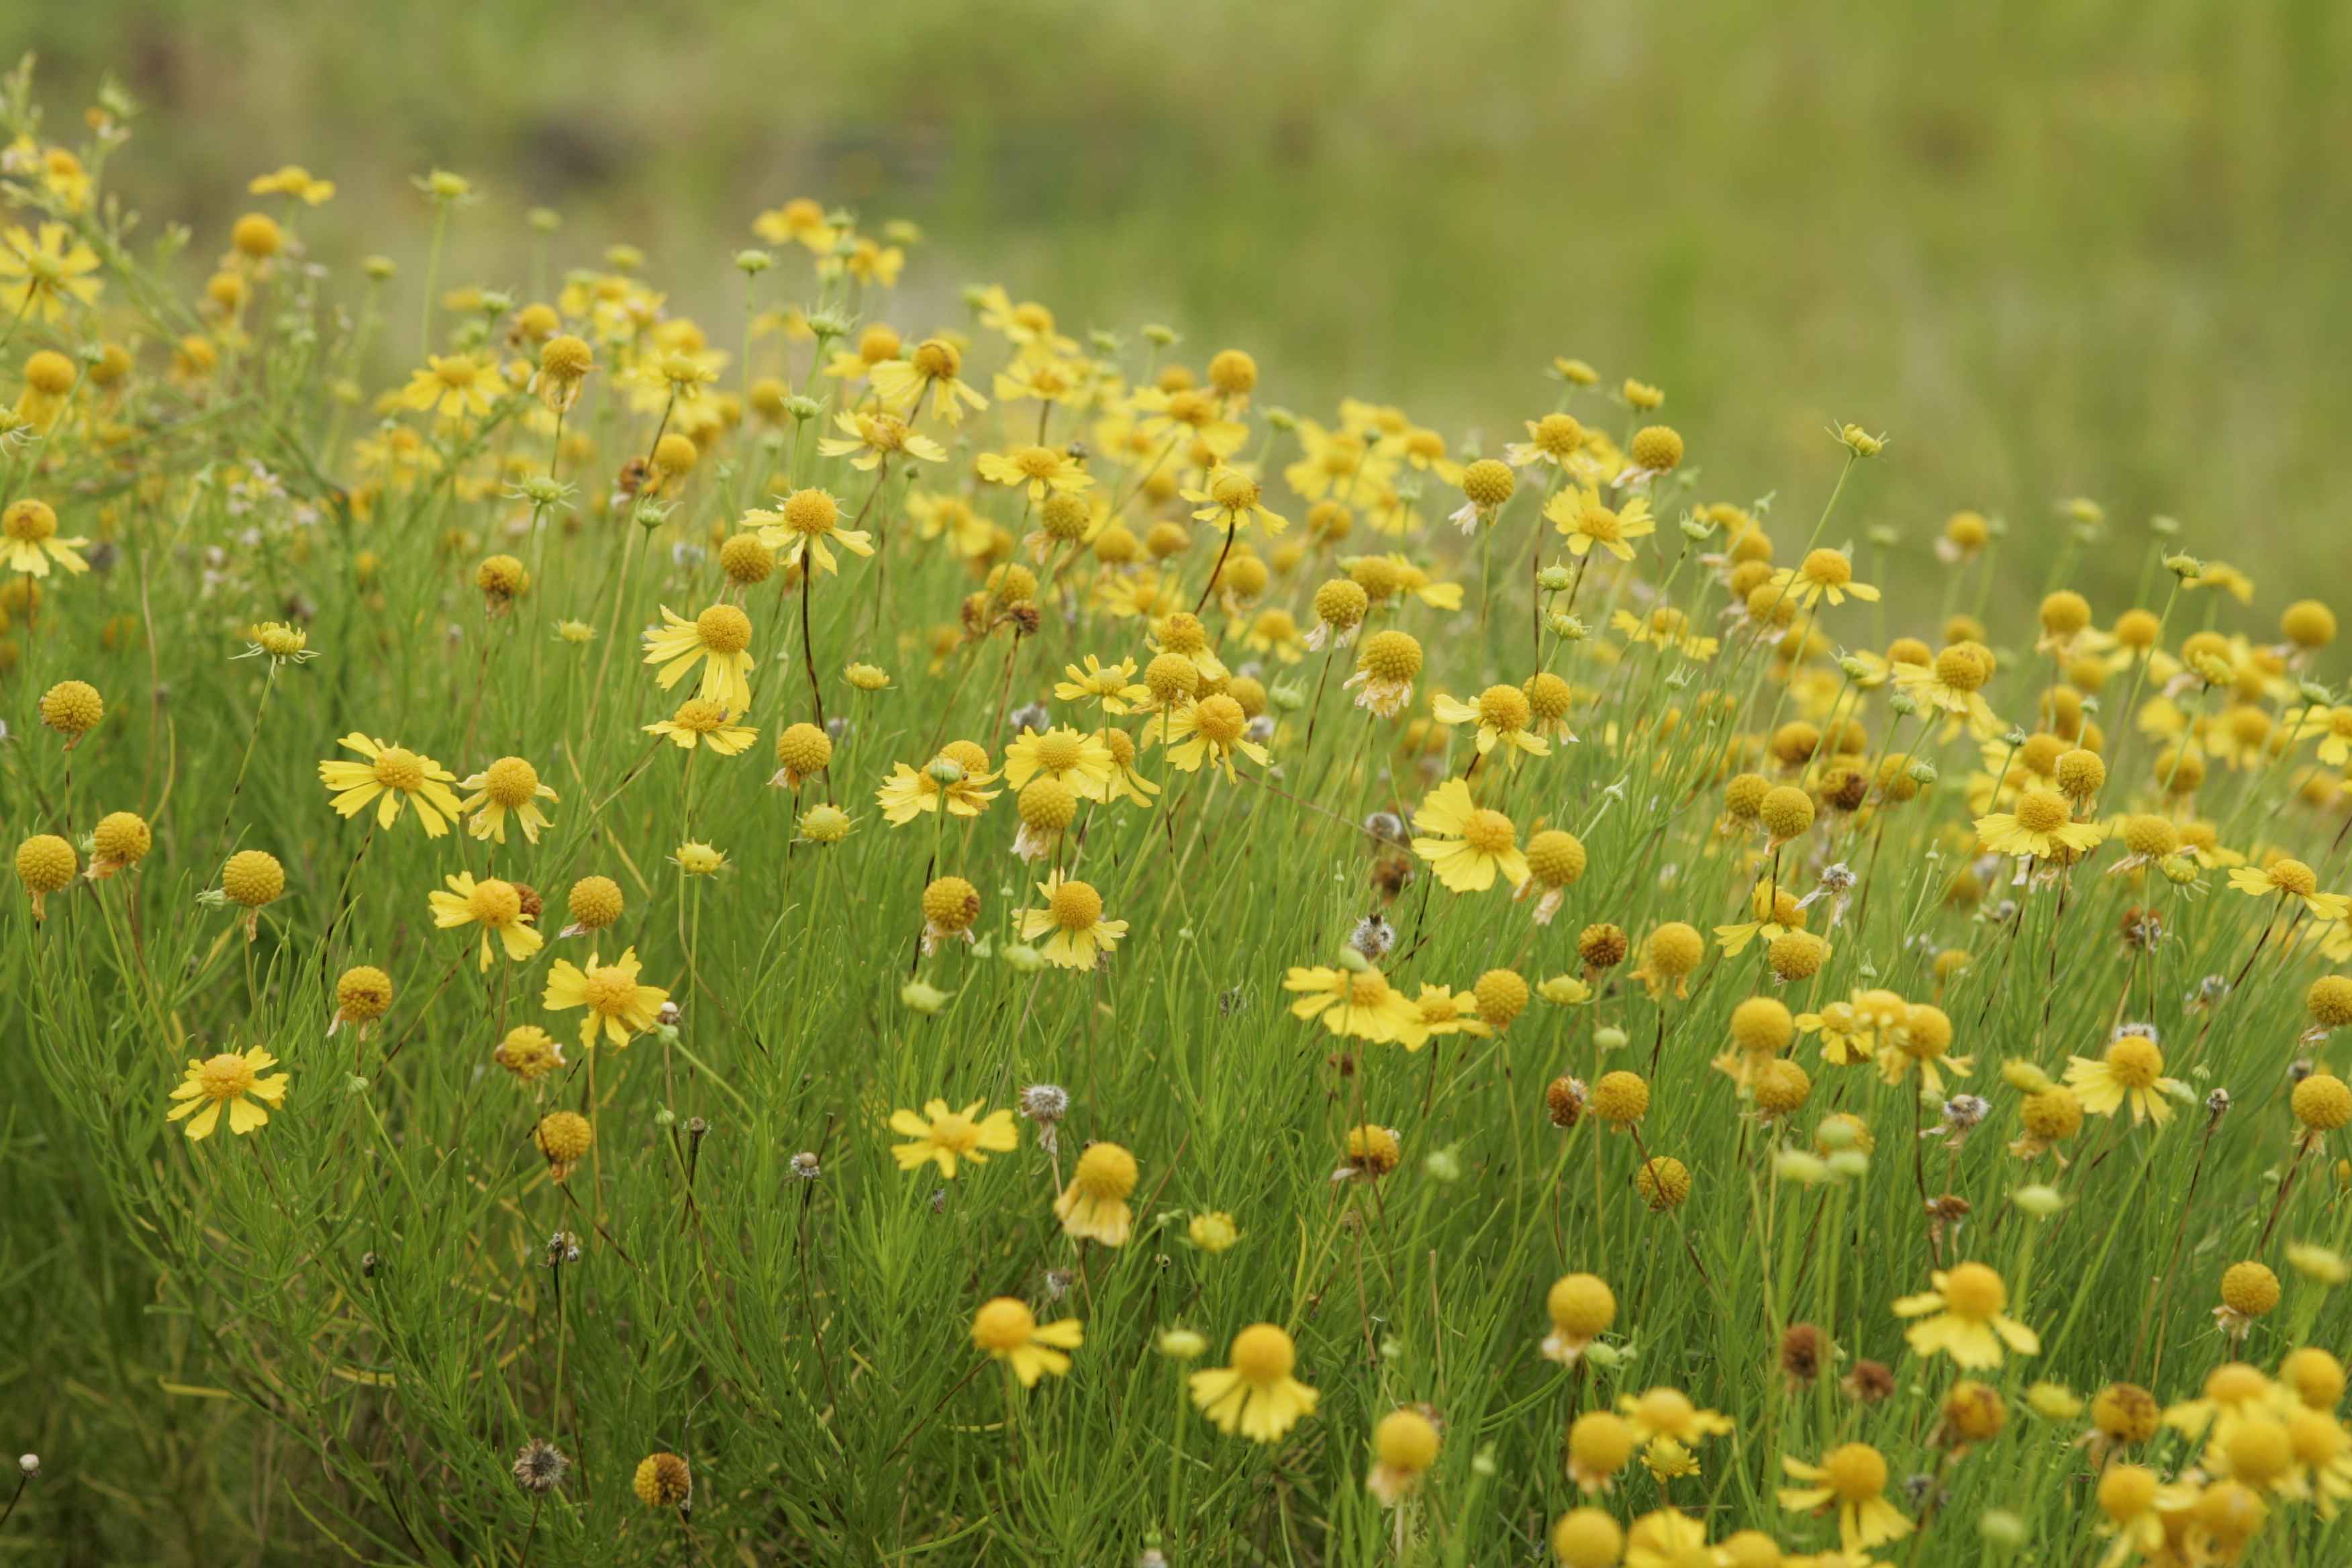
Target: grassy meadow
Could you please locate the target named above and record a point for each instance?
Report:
(1628, 844)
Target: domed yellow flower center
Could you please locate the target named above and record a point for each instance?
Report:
(2042, 811)
(1263, 1356)
(1504, 708)
(1076, 906)
(1961, 669)
(225, 1075)
(1558, 435)
(1601, 525)
(937, 358)
(883, 432)
(1855, 1472)
(29, 521)
(1105, 1171)
(1003, 1324)
(2136, 1062)
(809, 512)
(456, 372)
(700, 715)
(510, 781)
(1234, 491)
(1489, 833)
(1220, 719)
(495, 903)
(397, 767)
(2294, 877)
(1367, 991)
(1829, 568)
(610, 989)
(956, 1131)
(1037, 462)
(723, 629)
(1973, 1291)
(1058, 750)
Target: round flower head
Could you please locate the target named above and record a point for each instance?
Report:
(1586, 1538)
(363, 994)
(1404, 1445)
(563, 1138)
(250, 878)
(1621, 1098)
(1010, 1332)
(1599, 1445)
(700, 722)
(529, 1052)
(663, 1480)
(1555, 861)
(1093, 1206)
(45, 864)
(73, 709)
(1255, 1395)
(804, 528)
(1669, 955)
(594, 903)
(1357, 1003)
(1581, 1308)
(1663, 1182)
(120, 840)
(1501, 995)
(1385, 668)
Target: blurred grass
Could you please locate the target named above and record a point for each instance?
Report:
(2053, 248)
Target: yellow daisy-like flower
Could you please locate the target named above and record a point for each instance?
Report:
(1009, 1331)
(393, 776)
(1112, 685)
(30, 541)
(1464, 843)
(1446, 1011)
(1093, 1206)
(1822, 574)
(700, 721)
(1503, 716)
(1851, 1478)
(1668, 1413)
(1231, 499)
(953, 779)
(508, 787)
(1580, 519)
(869, 436)
(41, 275)
(1964, 1317)
(231, 1081)
(456, 387)
(293, 180)
(931, 374)
(718, 639)
(2131, 1071)
(807, 526)
(617, 1004)
(942, 1137)
(1077, 937)
(1041, 468)
(1255, 1395)
(1357, 1003)
(1208, 732)
(1068, 756)
(2043, 827)
(2292, 879)
(494, 905)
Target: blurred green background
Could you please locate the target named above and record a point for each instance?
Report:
(2054, 249)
